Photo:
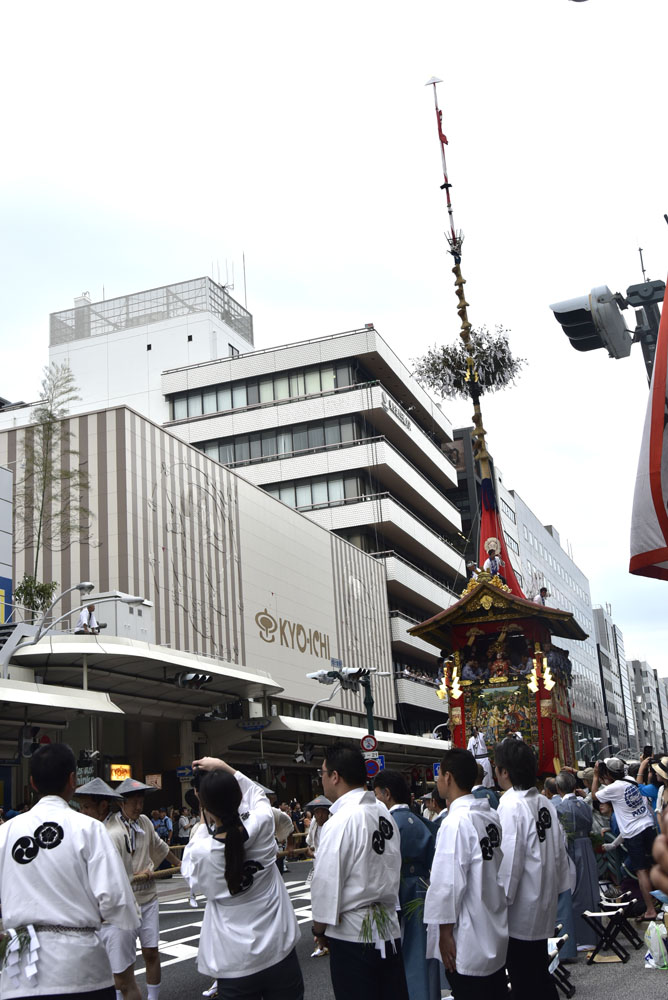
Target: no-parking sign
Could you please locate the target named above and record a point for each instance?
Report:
(375, 765)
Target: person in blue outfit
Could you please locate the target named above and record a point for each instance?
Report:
(480, 792)
(417, 853)
(576, 818)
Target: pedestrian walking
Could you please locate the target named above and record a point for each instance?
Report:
(130, 829)
(96, 799)
(355, 885)
(465, 908)
(249, 931)
(60, 877)
(534, 870)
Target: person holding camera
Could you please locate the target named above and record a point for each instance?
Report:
(250, 930)
(635, 819)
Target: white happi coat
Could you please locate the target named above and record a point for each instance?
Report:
(465, 888)
(478, 748)
(358, 863)
(257, 927)
(535, 868)
(59, 868)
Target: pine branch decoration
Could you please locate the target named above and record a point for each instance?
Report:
(451, 370)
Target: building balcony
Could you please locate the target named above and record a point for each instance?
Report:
(399, 526)
(409, 584)
(412, 692)
(376, 456)
(404, 644)
(371, 400)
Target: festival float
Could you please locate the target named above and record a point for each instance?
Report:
(502, 672)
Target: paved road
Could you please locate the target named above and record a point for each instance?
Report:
(179, 934)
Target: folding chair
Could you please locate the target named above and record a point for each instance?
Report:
(625, 928)
(607, 932)
(561, 977)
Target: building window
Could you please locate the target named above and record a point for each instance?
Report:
(508, 511)
(190, 337)
(318, 492)
(270, 389)
(284, 441)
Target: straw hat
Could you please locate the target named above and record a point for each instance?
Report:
(99, 788)
(661, 769)
(131, 785)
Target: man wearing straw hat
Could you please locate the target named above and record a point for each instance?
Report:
(131, 830)
(96, 799)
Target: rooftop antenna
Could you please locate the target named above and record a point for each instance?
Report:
(642, 265)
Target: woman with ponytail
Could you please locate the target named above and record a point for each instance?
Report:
(249, 931)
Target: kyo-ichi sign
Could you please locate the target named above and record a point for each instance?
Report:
(292, 635)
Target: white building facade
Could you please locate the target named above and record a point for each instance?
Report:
(618, 698)
(539, 560)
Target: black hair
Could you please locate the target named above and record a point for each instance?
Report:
(192, 800)
(51, 766)
(441, 803)
(348, 763)
(519, 760)
(462, 766)
(395, 783)
(220, 795)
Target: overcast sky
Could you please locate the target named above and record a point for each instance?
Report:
(149, 143)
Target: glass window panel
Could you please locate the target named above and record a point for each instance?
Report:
(225, 398)
(194, 405)
(252, 393)
(284, 442)
(297, 384)
(211, 449)
(343, 376)
(316, 436)
(282, 387)
(312, 381)
(239, 395)
(335, 489)
(271, 490)
(210, 402)
(287, 494)
(303, 494)
(269, 443)
(227, 452)
(266, 390)
(319, 491)
(242, 449)
(300, 438)
(327, 378)
(332, 432)
(255, 445)
(351, 487)
(348, 430)
(180, 408)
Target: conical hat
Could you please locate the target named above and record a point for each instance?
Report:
(319, 802)
(131, 785)
(99, 788)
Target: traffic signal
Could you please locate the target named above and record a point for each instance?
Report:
(593, 321)
(28, 740)
(192, 681)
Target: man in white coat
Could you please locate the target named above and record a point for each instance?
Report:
(355, 885)
(95, 799)
(465, 907)
(130, 828)
(60, 877)
(534, 870)
(478, 748)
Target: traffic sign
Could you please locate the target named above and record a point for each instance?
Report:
(368, 742)
(372, 768)
(185, 772)
(371, 755)
(436, 768)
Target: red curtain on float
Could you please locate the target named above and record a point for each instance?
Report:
(490, 527)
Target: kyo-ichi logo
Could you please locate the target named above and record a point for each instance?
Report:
(292, 635)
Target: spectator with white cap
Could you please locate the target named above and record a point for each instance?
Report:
(635, 820)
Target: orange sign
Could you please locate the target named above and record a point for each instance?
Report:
(119, 772)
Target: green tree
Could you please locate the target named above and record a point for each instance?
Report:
(50, 499)
(34, 595)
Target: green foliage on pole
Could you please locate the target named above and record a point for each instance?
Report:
(450, 370)
(32, 594)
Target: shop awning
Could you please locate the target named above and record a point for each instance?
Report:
(329, 732)
(47, 699)
(142, 677)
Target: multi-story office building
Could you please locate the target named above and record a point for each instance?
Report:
(539, 560)
(617, 697)
(335, 427)
(648, 708)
